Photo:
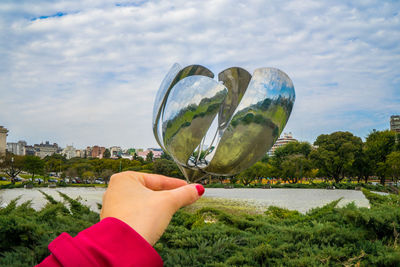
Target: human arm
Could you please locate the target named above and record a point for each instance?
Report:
(137, 208)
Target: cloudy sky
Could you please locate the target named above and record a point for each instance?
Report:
(86, 71)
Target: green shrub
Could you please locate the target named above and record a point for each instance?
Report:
(325, 236)
(330, 235)
(26, 233)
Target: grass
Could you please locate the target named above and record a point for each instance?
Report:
(29, 176)
(236, 207)
(9, 185)
(311, 185)
(86, 185)
(8, 182)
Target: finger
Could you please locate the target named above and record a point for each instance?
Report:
(160, 182)
(186, 195)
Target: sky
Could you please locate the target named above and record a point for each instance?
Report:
(86, 72)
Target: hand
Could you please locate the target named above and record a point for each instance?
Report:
(147, 202)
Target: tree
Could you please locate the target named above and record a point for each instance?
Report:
(233, 179)
(106, 175)
(292, 148)
(259, 170)
(70, 173)
(148, 168)
(98, 165)
(56, 157)
(33, 165)
(63, 176)
(137, 158)
(167, 168)
(220, 178)
(81, 168)
(246, 177)
(88, 175)
(312, 173)
(53, 165)
(149, 156)
(290, 151)
(265, 159)
(362, 168)
(12, 165)
(166, 156)
(393, 165)
(107, 154)
(378, 145)
(295, 167)
(124, 164)
(336, 154)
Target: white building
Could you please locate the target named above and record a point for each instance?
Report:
(395, 123)
(69, 152)
(45, 149)
(17, 148)
(80, 153)
(126, 157)
(115, 151)
(12, 148)
(285, 139)
(157, 152)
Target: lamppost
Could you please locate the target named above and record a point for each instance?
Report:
(12, 170)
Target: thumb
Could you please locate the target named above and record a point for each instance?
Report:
(186, 195)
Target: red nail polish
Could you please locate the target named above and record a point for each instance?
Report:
(200, 189)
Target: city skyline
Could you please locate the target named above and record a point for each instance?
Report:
(44, 149)
(12, 142)
(87, 72)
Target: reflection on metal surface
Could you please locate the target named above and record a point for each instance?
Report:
(250, 113)
(175, 74)
(189, 111)
(236, 80)
(257, 122)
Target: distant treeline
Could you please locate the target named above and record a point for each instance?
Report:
(332, 157)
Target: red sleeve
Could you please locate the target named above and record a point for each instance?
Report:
(110, 242)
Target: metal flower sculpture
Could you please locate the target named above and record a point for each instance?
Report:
(220, 128)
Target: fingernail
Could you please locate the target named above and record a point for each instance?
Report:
(200, 189)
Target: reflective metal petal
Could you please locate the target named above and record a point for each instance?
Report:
(161, 96)
(162, 91)
(189, 111)
(236, 80)
(175, 74)
(256, 124)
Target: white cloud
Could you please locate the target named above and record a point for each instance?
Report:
(90, 76)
